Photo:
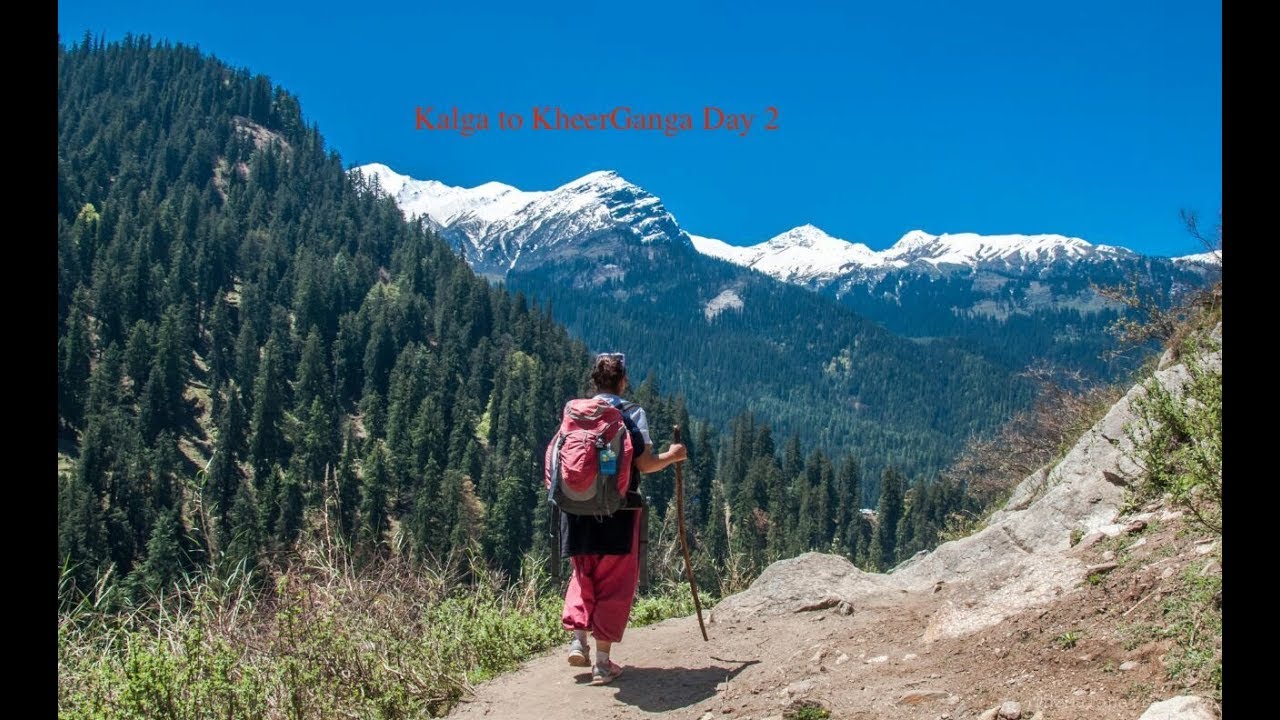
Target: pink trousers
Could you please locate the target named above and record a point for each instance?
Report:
(601, 591)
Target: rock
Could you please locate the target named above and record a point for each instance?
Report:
(1204, 547)
(1090, 540)
(878, 659)
(1026, 492)
(1137, 544)
(915, 697)
(986, 574)
(797, 689)
(812, 581)
(1183, 707)
(1211, 568)
(1010, 710)
(707, 715)
(1115, 478)
(1129, 665)
(1100, 568)
(989, 714)
(909, 657)
(1135, 526)
(1108, 556)
(1170, 515)
(842, 659)
(1112, 529)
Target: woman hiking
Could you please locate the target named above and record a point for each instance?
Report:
(604, 551)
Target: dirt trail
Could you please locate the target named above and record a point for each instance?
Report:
(875, 663)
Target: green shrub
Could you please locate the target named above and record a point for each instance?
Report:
(1178, 438)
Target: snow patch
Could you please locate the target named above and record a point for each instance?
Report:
(1206, 258)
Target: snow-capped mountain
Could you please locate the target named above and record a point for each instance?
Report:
(806, 255)
(497, 226)
(801, 255)
(1205, 258)
(1017, 297)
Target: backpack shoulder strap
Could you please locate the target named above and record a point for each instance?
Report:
(637, 437)
(623, 406)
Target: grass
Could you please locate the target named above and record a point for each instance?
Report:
(319, 639)
(1192, 618)
(1068, 639)
(807, 710)
(1178, 442)
(667, 600)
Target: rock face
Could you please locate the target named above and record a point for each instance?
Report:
(812, 581)
(1183, 707)
(1022, 558)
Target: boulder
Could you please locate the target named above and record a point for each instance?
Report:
(1183, 707)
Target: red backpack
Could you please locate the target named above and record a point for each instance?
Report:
(588, 463)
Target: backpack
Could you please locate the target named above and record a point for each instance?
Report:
(591, 430)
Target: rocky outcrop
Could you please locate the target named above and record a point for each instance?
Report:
(812, 581)
(1183, 707)
(1021, 559)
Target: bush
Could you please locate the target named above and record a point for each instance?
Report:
(1178, 437)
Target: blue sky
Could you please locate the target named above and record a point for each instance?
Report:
(1094, 119)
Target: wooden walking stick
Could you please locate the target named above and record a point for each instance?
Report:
(684, 540)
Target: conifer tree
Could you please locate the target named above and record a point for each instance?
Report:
(375, 491)
(74, 350)
(266, 440)
(888, 514)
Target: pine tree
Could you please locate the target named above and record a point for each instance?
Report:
(267, 441)
(247, 356)
(74, 350)
(375, 491)
(247, 534)
(312, 376)
(848, 515)
(888, 514)
(346, 490)
(139, 355)
(163, 565)
(509, 526)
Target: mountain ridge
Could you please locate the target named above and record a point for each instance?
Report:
(805, 254)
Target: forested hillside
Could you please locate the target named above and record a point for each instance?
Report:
(799, 361)
(249, 343)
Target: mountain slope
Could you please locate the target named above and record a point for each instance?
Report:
(496, 226)
(1017, 299)
(617, 270)
(253, 348)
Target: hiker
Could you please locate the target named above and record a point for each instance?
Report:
(604, 551)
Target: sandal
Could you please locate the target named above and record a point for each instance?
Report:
(579, 656)
(601, 675)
